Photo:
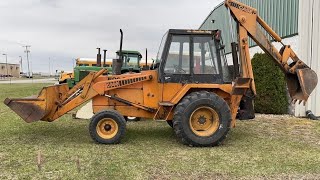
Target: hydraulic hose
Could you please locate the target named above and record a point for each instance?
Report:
(310, 115)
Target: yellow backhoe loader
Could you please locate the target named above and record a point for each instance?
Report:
(190, 86)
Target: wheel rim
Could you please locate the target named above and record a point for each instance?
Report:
(107, 128)
(204, 121)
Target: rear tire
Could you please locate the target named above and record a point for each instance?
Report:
(202, 119)
(107, 127)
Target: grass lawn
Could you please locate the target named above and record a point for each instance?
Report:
(268, 147)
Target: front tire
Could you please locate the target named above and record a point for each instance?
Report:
(202, 119)
(107, 127)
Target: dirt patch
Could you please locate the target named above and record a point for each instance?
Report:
(297, 129)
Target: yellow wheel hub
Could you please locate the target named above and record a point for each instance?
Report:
(204, 121)
(107, 128)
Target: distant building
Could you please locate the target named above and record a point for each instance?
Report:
(9, 70)
(296, 21)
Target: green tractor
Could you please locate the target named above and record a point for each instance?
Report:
(131, 63)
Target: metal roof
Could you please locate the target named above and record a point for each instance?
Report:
(281, 16)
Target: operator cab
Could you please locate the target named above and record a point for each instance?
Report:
(131, 60)
(192, 56)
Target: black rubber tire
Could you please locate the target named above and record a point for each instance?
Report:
(184, 110)
(170, 123)
(117, 117)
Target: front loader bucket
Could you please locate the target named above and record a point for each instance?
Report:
(41, 107)
(301, 84)
(29, 109)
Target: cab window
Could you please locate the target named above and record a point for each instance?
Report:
(204, 56)
(178, 59)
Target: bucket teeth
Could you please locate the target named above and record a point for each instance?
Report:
(301, 84)
(294, 101)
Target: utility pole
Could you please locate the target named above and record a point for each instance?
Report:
(49, 67)
(28, 51)
(6, 64)
(52, 66)
(21, 64)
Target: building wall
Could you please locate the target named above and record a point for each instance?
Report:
(281, 16)
(309, 28)
(13, 69)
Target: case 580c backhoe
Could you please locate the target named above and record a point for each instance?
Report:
(191, 87)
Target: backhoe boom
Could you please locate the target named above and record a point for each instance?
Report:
(301, 80)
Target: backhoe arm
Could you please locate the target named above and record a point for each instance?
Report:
(301, 80)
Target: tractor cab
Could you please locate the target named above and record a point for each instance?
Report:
(192, 56)
(131, 60)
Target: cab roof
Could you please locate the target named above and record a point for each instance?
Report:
(192, 31)
(129, 52)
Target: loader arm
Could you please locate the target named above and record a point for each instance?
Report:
(301, 80)
(55, 101)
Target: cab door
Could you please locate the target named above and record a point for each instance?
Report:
(176, 70)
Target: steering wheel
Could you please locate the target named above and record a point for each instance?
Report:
(179, 69)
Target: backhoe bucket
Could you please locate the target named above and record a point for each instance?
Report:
(41, 107)
(301, 84)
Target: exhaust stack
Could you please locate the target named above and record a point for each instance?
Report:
(146, 57)
(117, 63)
(104, 57)
(98, 58)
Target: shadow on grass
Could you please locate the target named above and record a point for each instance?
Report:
(70, 131)
(159, 133)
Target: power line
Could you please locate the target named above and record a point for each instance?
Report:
(12, 42)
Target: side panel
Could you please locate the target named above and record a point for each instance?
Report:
(170, 90)
(146, 93)
(152, 92)
(125, 111)
(227, 88)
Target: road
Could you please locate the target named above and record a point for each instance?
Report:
(28, 81)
